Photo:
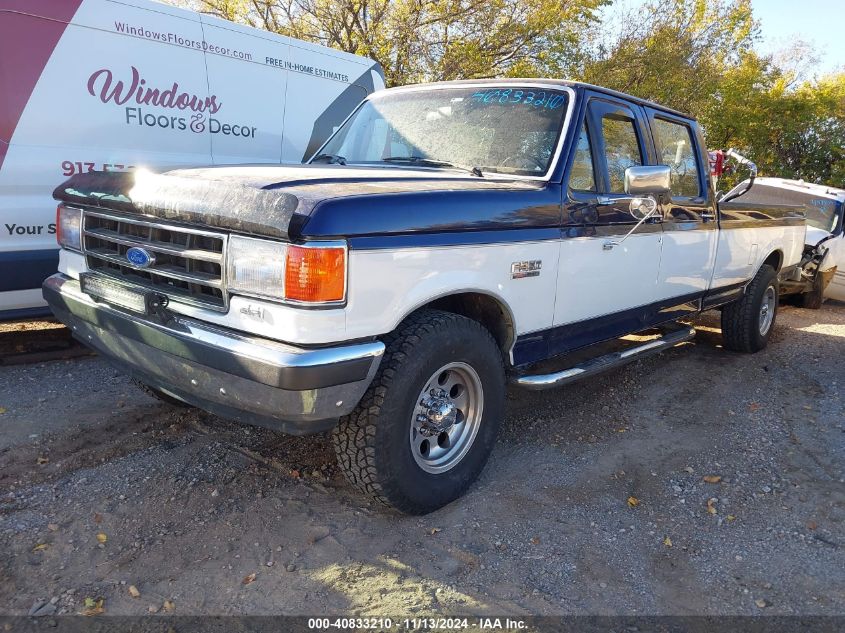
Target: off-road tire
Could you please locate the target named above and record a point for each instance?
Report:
(372, 443)
(160, 395)
(740, 318)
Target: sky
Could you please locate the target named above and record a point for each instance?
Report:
(819, 22)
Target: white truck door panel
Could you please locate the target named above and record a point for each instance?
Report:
(690, 231)
(689, 251)
(594, 281)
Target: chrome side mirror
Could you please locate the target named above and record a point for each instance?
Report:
(642, 184)
(646, 180)
(642, 208)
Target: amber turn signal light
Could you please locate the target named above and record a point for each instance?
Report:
(315, 274)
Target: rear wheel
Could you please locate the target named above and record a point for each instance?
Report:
(426, 426)
(747, 323)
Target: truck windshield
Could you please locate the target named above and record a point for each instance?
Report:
(821, 213)
(507, 130)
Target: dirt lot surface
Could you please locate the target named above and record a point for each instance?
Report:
(596, 499)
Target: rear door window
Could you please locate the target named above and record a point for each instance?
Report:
(675, 148)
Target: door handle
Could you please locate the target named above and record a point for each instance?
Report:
(652, 213)
(708, 217)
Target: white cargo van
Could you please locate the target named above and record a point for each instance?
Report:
(108, 85)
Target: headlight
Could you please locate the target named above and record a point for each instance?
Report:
(256, 267)
(69, 227)
(313, 274)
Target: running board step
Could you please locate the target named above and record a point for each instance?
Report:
(538, 382)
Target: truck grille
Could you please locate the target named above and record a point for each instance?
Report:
(189, 263)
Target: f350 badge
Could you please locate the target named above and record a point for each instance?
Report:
(529, 268)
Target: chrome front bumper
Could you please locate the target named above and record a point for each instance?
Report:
(245, 378)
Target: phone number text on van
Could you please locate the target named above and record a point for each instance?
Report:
(197, 123)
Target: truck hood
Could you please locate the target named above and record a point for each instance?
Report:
(260, 199)
(815, 235)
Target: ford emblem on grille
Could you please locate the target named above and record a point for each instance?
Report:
(139, 257)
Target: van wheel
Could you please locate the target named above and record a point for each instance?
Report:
(428, 422)
(747, 323)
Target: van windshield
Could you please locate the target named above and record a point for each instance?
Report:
(508, 130)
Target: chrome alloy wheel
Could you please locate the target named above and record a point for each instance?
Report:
(767, 309)
(446, 418)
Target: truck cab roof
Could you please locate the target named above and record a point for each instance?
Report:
(562, 83)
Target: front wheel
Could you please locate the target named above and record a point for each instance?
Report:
(747, 323)
(428, 422)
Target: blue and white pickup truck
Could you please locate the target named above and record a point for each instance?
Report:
(447, 239)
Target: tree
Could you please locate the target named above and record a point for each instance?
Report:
(427, 40)
(697, 56)
(693, 55)
(670, 51)
(790, 129)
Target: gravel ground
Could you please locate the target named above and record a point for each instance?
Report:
(594, 502)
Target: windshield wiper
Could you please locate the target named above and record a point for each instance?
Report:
(331, 159)
(431, 162)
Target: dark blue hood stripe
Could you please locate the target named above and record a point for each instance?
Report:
(461, 238)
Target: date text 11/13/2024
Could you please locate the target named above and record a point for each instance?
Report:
(417, 624)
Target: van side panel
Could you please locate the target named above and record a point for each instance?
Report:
(89, 85)
(307, 127)
(251, 127)
(286, 95)
(86, 111)
(26, 45)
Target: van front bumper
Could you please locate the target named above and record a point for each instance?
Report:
(231, 374)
